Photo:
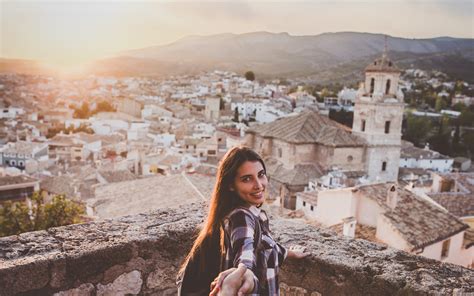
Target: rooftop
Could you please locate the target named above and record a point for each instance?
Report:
(297, 176)
(459, 203)
(144, 195)
(23, 147)
(418, 221)
(382, 64)
(410, 151)
(309, 128)
(13, 180)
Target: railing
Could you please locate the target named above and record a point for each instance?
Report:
(141, 254)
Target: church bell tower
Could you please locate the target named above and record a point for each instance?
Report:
(378, 114)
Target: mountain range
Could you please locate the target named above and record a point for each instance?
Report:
(326, 57)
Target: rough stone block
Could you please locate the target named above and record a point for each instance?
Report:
(82, 290)
(128, 283)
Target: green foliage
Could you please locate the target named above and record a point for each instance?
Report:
(467, 117)
(18, 217)
(441, 143)
(249, 75)
(82, 128)
(236, 115)
(342, 117)
(83, 112)
(221, 103)
(417, 129)
(440, 104)
(104, 106)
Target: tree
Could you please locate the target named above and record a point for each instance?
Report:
(342, 116)
(467, 117)
(417, 129)
(83, 112)
(104, 106)
(236, 114)
(249, 75)
(18, 217)
(221, 103)
(440, 104)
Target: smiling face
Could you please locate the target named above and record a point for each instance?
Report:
(250, 183)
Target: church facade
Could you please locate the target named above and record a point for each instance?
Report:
(300, 148)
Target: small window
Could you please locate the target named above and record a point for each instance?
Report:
(384, 166)
(387, 127)
(372, 85)
(279, 152)
(445, 249)
(387, 87)
(350, 158)
(304, 204)
(312, 208)
(362, 127)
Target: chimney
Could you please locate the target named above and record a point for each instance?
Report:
(349, 227)
(392, 197)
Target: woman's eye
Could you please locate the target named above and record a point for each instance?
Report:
(246, 179)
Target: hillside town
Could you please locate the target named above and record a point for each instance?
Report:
(127, 145)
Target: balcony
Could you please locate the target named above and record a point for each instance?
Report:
(141, 254)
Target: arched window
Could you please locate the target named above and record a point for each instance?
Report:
(387, 87)
(372, 85)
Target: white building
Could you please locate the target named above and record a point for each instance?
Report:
(398, 218)
(212, 111)
(413, 157)
(11, 112)
(468, 101)
(108, 126)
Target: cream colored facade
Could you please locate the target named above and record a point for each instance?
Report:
(212, 111)
(337, 204)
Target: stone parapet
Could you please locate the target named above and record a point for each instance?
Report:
(141, 254)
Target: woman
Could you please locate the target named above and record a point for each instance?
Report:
(231, 225)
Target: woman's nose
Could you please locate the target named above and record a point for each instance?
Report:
(258, 184)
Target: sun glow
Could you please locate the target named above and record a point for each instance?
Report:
(66, 69)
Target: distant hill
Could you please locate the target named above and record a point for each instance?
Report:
(325, 57)
(22, 66)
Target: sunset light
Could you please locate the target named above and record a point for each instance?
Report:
(236, 147)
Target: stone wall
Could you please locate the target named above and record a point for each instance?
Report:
(141, 254)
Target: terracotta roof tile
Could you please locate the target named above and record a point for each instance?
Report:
(308, 127)
(418, 221)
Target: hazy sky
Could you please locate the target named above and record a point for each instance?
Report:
(67, 33)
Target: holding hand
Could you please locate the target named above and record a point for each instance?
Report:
(233, 281)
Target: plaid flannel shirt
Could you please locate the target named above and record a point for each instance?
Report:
(239, 230)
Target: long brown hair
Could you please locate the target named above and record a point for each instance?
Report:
(223, 201)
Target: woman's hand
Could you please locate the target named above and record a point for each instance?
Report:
(297, 252)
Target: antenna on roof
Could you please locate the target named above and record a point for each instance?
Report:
(385, 47)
